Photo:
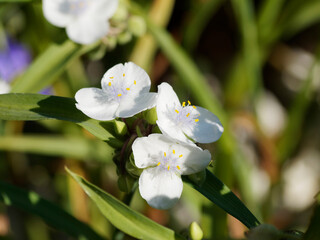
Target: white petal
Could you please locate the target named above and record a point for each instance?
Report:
(57, 12)
(94, 103)
(193, 160)
(129, 107)
(102, 8)
(4, 87)
(85, 30)
(170, 129)
(161, 189)
(208, 129)
(146, 150)
(134, 73)
(115, 73)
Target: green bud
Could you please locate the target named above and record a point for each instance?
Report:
(264, 232)
(198, 178)
(111, 42)
(120, 127)
(124, 38)
(195, 231)
(125, 183)
(121, 14)
(150, 116)
(132, 168)
(137, 26)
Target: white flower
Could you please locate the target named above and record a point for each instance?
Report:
(86, 21)
(4, 87)
(164, 160)
(124, 93)
(185, 122)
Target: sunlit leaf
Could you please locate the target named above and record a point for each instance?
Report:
(122, 216)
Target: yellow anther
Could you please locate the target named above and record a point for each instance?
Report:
(183, 104)
(178, 167)
(123, 75)
(173, 151)
(134, 82)
(119, 95)
(168, 168)
(180, 156)
(196, 120)
(165, 154)
(127, 89)
(188, 115)
(158, 163)
(194, 107)
(176, 111)
(109, 83)
(111, 77)
(189, 102)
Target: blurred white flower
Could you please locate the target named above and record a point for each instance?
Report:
(86, 21)
(185, 122)
(164, 160)
(124, 93)
(4, 87)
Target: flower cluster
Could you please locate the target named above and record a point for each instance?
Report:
(162, 157)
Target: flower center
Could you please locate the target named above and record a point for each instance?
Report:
(170, 161)
(77, 7)
(185, 116)
(118, 88)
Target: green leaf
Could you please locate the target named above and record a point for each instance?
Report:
(49, 212)
(47, 67)
(24, 107)
(122, 216)
(66, 146)
(217, 192)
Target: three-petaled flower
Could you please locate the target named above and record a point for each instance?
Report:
(164, 160)
(185, 122)
(86, 21)
(124, 93)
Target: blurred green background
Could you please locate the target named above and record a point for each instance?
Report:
(255, 64)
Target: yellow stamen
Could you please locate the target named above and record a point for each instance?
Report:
(196, 120)
(109, 83)
(178, 167)
(128, 89)
(194, 107)
(134, 82)
(119, 95)
(168, 168)
(165, 154)
(158, 163)
(180, 156)
(111, 77)
(189, 102)
(177, 111)
(183, 104)
(188, 114)
(173, 151)
(124, 75)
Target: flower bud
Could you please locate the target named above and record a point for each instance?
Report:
(125, 183)
(132, 168)
(121, 14)
(195, 231)
(150, 116)
(124, 38)
(120, 127)
(137, 26)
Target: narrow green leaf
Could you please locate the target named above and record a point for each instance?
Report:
(46, 67)
(24, 107)
(122, 216)
(66, 146)
(217, 192)
(49, 212)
